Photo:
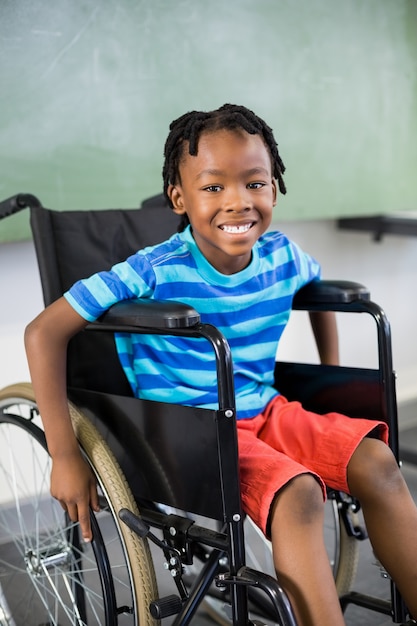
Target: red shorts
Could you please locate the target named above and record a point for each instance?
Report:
(285, 441)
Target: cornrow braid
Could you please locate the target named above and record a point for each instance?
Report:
(191, 125)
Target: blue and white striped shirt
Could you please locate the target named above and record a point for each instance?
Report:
(251, 308)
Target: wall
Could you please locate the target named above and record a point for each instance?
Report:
(387, 268)
(89, 88)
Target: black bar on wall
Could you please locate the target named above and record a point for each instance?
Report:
(380, 225)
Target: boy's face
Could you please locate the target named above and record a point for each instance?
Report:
(228, 192)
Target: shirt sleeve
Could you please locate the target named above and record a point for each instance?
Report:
(308, 268)
(130, 279)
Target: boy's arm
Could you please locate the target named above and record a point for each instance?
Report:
(325, 333)
(46, 341)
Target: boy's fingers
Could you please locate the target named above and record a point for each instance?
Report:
(63, 504)
(71, 510)
(94, 501)
(84, 521)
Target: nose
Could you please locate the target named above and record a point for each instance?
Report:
(237, 200)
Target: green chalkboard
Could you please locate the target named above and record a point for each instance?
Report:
(88, 89)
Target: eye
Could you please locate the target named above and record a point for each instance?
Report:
(257, 185)
(212, 188)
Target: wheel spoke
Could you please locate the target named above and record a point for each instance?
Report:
(47, 576)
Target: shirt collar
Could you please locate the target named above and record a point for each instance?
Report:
(209, 273)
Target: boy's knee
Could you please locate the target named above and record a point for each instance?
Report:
(373, 469)
(300, 500)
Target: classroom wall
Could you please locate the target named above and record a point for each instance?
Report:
(387, 268)
(88, 90)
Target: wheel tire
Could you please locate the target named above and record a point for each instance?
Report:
(130, 582)
(346, 548)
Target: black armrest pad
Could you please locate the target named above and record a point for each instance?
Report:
(330, 292)
(150, 314)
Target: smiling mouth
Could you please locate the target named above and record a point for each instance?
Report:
(237, 229)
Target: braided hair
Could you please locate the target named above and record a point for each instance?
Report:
(190, 126)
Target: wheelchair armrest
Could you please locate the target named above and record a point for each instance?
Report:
(146, 313)
(329, 293)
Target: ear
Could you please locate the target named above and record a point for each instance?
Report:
(274, 191)
(175, 195)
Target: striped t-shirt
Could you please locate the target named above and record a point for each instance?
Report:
(251, 308)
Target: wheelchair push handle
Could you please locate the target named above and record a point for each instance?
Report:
(17, 203)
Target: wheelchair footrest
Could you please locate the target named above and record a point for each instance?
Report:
(164, 607)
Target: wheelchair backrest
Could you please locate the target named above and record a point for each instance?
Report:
(71, 245)
(179, 456)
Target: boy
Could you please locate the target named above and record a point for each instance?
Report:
(222, 172)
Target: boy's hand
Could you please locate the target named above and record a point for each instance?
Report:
(73, 484)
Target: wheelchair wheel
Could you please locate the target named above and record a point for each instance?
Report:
(342, 548)
(343, 551)
(48, 576)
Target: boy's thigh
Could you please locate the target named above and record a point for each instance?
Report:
(286, 441)
(263, 472)
(324, 444)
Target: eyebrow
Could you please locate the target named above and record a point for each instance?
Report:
(251, 172)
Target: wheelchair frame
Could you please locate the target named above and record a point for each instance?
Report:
(215, 486)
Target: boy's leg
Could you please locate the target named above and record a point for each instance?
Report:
(287, 502)
(300, 556)
(389, 512)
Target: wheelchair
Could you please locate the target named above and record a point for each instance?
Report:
(171, 538)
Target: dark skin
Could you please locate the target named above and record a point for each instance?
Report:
(228, 192)
(46, 340)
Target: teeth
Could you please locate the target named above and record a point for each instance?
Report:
(236, 229)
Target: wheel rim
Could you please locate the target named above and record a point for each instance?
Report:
(60, 581)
